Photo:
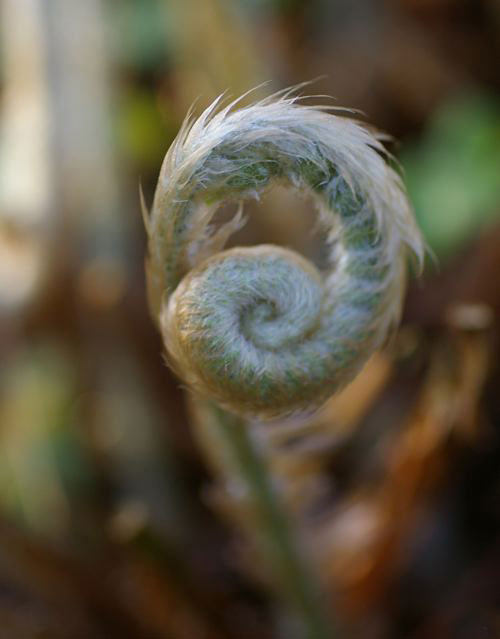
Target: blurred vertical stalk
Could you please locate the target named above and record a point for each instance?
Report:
(58, 178)
(89, 187)
(27, 171)
(229, 443)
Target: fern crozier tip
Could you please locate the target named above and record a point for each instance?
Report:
(260, 330)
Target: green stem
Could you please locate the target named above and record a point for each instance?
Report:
(281, 548)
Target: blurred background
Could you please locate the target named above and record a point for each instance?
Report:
(110, 522)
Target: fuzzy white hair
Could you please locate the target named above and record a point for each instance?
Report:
(260, 330)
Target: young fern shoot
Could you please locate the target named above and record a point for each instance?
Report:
(260, 330)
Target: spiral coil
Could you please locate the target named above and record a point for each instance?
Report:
(261, 330)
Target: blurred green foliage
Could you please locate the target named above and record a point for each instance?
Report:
(453, 171)
(144, 128)
(42, 459)
(138, 33)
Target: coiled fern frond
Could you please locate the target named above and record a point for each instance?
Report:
(261, 330)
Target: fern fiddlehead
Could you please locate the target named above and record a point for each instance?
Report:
(260, 330)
